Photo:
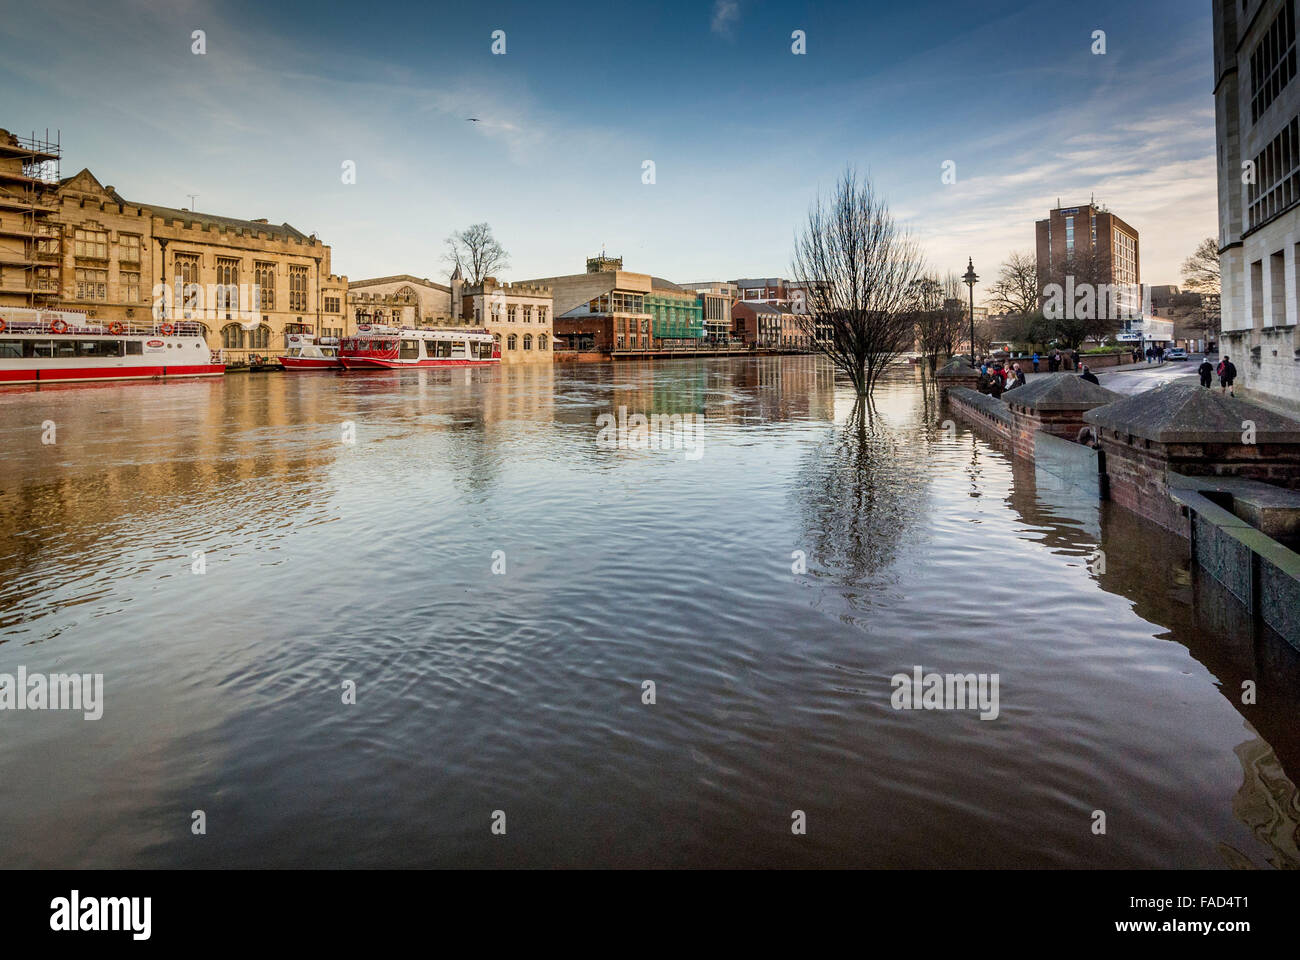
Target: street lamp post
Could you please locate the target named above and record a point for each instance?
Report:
(970, 280)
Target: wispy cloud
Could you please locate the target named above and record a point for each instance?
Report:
(726, 14)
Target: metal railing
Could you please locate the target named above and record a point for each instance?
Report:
(61, 326)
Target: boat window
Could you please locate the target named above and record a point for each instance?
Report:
(328, 351)
(444, 348)
(99, 348)
(295, 351)
(38, 348)
(484, 351)
(65, 348)
(134, 348)
(458, 348)
(410, 350)
(11, 348)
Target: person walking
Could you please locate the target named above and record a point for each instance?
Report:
(1206, 370)
(1035, 361)
(1089, 375)
(1227, 375)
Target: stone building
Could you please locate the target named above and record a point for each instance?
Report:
(1188, 314)
(1257, 116)
(400, 300)
(518, 315)
(92, 251)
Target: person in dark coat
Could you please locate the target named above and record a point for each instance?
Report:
(1227, 374)
(1054, 361)
(1206, 370)
(1089, 375)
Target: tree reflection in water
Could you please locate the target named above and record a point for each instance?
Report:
(861, 492)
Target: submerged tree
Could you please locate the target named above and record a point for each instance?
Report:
(476, 252)
(939, 316)
(857, 269)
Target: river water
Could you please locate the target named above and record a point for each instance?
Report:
(499, 584)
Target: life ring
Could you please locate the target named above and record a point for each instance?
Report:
(115, 327)
(166, 329)
(59, 326)
(3, 326)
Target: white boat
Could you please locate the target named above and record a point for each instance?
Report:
(59, 346)
(304, 351)
(380, 347)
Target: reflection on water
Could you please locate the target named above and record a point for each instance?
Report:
(372, 562)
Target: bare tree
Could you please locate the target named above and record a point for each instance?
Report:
(1015, 295)
(939, 316)
(476, 252)
(1094, 311)
(1015, 291)
(1201, 269)
(858, 268)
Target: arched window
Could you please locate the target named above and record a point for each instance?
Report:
(512, 342)
(232, 336)
(528, 341)
(260, 338)
(541, 341)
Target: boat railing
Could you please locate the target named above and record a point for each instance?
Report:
(113, 328)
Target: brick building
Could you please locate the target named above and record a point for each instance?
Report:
(603, 309)
(1075, 239)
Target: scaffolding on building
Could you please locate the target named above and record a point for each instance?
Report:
(29, 179)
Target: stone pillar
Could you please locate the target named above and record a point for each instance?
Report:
(1054, 404)
(1188, 430)
(957, 372)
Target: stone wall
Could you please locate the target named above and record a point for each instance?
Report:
(982, 410)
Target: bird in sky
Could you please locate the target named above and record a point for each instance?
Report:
(471, 119)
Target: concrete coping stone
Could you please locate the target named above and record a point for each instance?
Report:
(1254, 492)
(1060, 391)
(1189, 413)
(957, 367)
(997, 409)
(1284, 559)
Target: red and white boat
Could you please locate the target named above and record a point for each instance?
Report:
(304, 351)
(58, 346)
(395, 348)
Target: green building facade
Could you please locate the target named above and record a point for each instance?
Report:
(674, 315)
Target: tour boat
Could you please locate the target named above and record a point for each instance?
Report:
(394, 348)
(59, 346)
(304, 351)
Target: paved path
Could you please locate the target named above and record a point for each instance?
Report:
(1137, 378)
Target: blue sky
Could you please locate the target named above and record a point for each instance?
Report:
(743, 133)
